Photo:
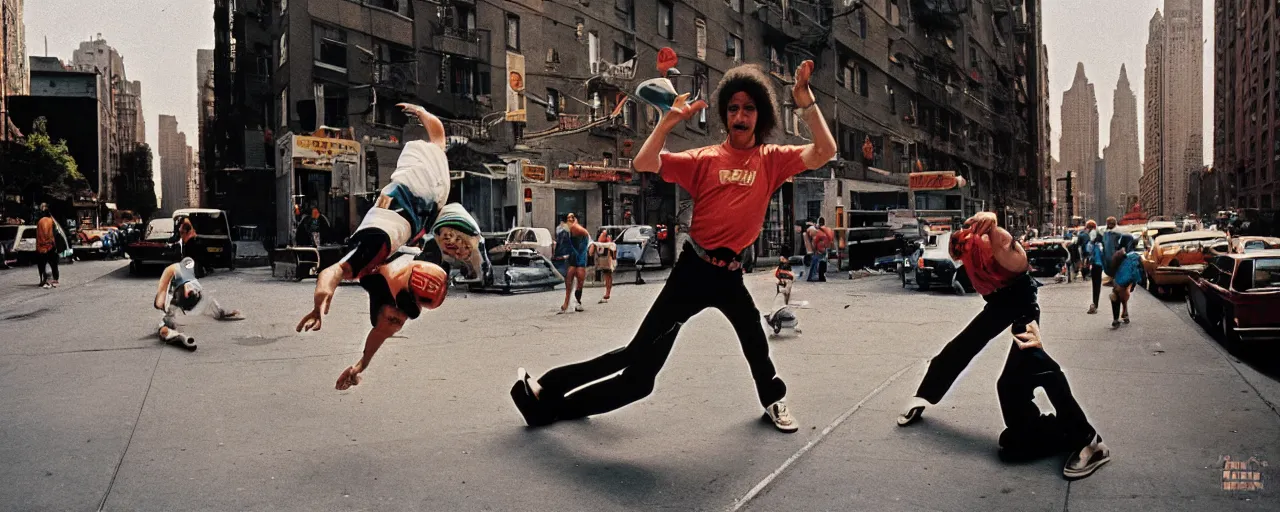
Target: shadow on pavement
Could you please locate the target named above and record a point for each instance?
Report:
(623, 482)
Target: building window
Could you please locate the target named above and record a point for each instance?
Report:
(622, 53)
(284, 6)
(284, 107)
(666, 25)
(862, 82)
(701, 28)
(284, 48)
(629, 115)
(893, 103)
(733, 47)
(513, 32)
(331, 48)
(736, 5)
(891, 11)
(593, 51)
(862, 25)
(627, 9)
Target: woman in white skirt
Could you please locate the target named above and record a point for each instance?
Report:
(605, 253)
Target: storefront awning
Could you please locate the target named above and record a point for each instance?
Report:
(873, 187)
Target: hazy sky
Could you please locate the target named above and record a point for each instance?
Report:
(157, 38)
(1104, 34)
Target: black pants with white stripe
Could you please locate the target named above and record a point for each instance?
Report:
(1025, 370)
(577, 390)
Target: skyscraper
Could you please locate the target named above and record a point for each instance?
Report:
(1079, 145)
(1182, 113)
(1150, 192)
(173, 165)
(1121, 154)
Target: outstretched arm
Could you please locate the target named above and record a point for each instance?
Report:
(377, 336)
(823, 147)
(326, 284)
(435, 128)
(163, 288)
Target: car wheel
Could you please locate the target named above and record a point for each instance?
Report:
(957, 287)
(134, 268)
(1229, 336)
(1191, 308)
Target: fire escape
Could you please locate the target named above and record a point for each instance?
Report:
(463, 91)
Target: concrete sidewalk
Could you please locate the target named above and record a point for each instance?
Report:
(100, 415)
(1167, 399)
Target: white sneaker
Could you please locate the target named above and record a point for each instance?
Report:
(604, 301)
(1088, 459)
(578, 308)
(913, 411)
(781, 417)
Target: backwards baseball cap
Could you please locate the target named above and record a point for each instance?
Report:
(429, 284)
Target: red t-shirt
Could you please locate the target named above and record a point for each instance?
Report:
(730, 189)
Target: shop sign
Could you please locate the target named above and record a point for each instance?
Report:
(943, 180)
(533, 173)
(578, 172)
(321, 152)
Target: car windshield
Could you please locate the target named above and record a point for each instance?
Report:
(209, 224)
(635, 234)
(1266, 273)
(8, 232)
(159, 229)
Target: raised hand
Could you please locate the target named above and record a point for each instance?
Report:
(981, 223)
(801, 93)
(682, 111)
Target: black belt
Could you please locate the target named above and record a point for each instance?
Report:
(718, 259)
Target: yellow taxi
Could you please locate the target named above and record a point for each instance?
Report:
(1170, 259)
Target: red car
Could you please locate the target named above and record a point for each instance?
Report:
(1238, 294)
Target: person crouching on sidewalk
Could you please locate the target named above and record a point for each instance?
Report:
(998, 269)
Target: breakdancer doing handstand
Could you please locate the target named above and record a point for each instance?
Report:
(998, 269)
(731, 184)
(408, 207)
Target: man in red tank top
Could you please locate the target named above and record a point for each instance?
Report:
(997, 267)
(730, 184)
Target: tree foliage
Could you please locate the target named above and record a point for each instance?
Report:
(36, 166)
(135, 186)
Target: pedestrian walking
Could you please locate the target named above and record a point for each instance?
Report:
(576, 268)
(731, 184)
(47, 249)
(1115, 247)
(180, 291)
(1093, 260)
(605, 254)
(999, 271)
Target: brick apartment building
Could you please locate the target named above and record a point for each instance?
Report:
(948, 85)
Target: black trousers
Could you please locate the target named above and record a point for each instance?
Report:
(50, 258)
(1095, 273)
(693, 286)
(1015, 305)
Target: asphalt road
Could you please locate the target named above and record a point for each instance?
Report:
(98, 414)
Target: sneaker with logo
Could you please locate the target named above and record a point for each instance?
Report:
(1086, 460)
(781, 417)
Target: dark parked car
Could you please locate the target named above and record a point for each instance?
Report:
(156, 248)
(1047, 256)
(212, 245)
(1238, 295)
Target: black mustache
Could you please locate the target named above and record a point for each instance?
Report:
(740, 127)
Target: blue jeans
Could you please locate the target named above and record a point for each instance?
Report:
(815, 266)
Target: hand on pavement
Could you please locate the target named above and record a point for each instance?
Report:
(350, 377)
